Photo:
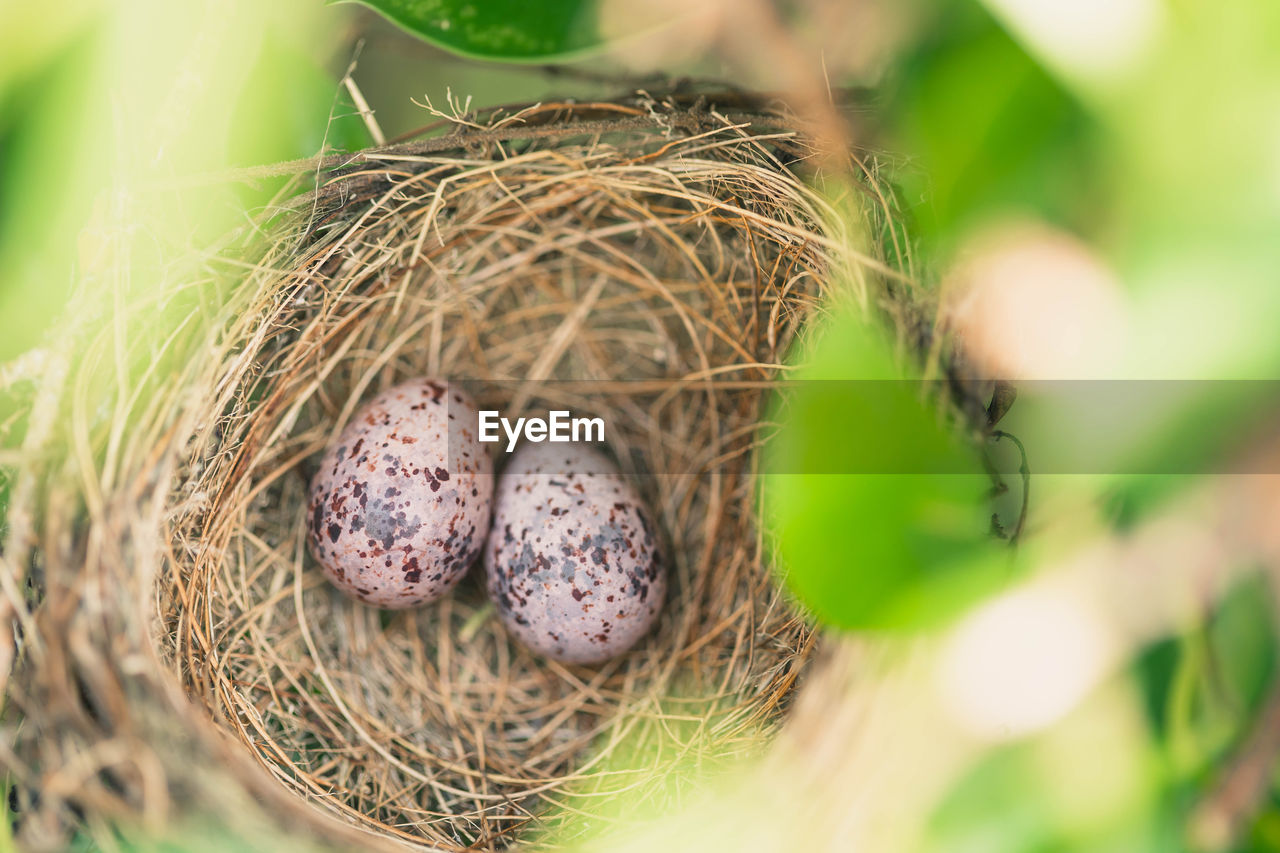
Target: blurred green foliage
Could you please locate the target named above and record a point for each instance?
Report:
(84, 113)
(988, 131)
(880, 549)
(46, 175)
(510, 30)
(1008, 802)
(1199, 693)
(1168, 171)
(302, 111)
(994, 131)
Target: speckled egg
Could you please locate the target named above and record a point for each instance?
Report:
(571, 560)
(400, 504)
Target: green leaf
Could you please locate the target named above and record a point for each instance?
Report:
(997, 805)
(1265, 832)
(989, 131)
(1201, 690)
(1053, 793)
(513, 30)
(879, 514)
(1242, 636)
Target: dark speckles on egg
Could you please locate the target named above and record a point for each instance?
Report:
(549, 561)
(382, 535)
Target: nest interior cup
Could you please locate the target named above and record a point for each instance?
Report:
(650, 261)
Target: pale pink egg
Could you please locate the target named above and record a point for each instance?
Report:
(572, 559)
(400, 504)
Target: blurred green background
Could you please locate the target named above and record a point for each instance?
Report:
(1092, 192)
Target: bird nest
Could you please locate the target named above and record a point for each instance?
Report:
(653, 261)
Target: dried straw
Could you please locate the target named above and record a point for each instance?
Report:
(663, 253)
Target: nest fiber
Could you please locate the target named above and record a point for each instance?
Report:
(653, 261)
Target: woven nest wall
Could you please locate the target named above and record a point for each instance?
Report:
(651, 261)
